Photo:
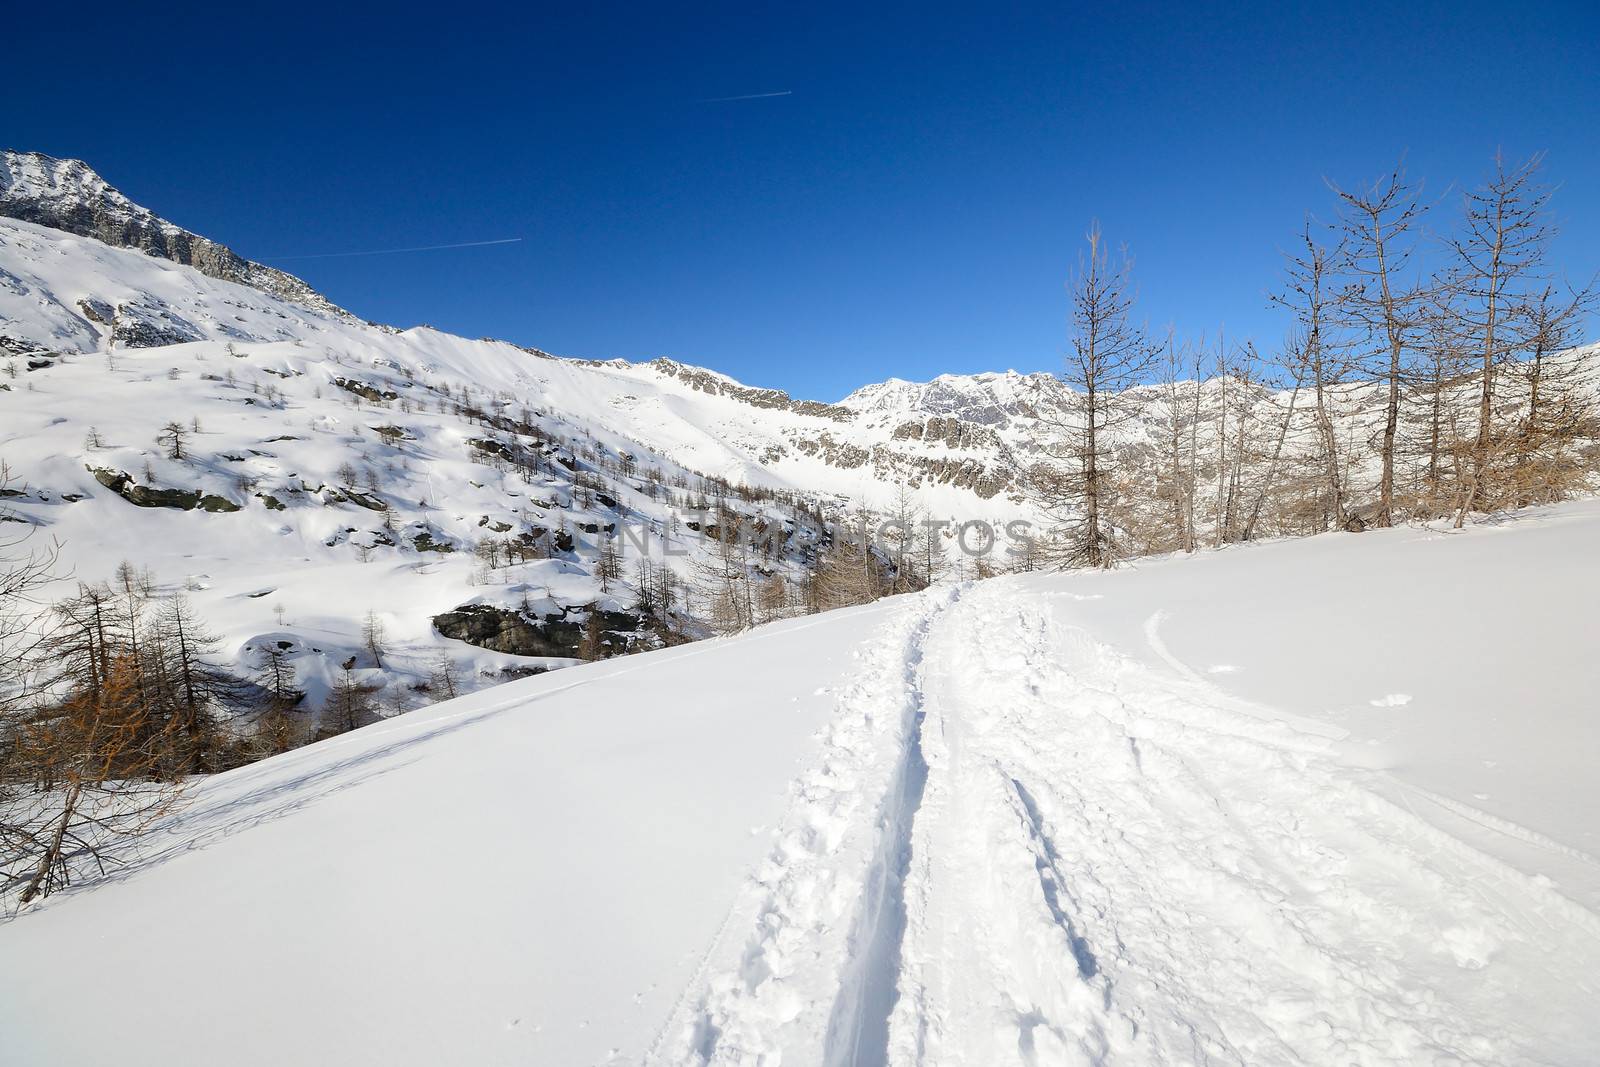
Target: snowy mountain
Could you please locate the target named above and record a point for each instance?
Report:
(1217, 810)
(998, 401)
(320, 454)
(1315, 801)
(465, 491)
(66, 194)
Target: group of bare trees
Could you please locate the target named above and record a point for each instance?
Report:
(1429, 373)
(739, 581)
(114, 699)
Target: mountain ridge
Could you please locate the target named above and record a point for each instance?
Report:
(484, 478)
(70, 195)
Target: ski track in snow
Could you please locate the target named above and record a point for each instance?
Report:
(1022, 847)
(824, 909)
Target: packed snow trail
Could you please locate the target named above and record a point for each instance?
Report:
(824, 910)
(1022, 847)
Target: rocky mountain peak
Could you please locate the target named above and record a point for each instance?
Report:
(68, 195)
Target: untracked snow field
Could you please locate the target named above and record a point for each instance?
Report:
(1329, 801)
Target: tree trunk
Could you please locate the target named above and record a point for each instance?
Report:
(52, 854)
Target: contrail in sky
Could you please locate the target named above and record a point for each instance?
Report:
(747, 96)
(393, 251)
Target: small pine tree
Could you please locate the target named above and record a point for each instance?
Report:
(350, 705)
(395, 700)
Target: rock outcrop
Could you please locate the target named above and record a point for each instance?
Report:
(518, 634)
(67, 194)
(146, 496)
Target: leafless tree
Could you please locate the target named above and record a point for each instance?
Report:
(901, 527)
(1379, 225)
(95, 748)
(373, 636)
(1174, 484)
(1505, 296)
(850, 570)
(1294, 362)
(608, 564)
(444, 678)
(173, 435)
(1560, 410)
(1307, 295)
(351, 704)
(1108, 354)
(723, 576)
(196, 691)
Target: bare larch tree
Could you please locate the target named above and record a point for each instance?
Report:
(1108, 354)
(1380, 226)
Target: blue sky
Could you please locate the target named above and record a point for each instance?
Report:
(912, 208)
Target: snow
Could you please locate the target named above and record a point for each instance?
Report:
(987, 397)
(1460, 662)
(1022, 821)
(1111, 864)
(324, 562)
(260, 374)
(32, 176)
(44, 273)
(1324, 801)
(530, 873)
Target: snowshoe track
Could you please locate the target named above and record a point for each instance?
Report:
(1021, 847)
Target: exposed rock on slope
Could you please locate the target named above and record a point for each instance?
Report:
(520, 633)
(67, 194)
(707, 381)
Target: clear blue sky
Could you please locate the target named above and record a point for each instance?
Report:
(913, 207)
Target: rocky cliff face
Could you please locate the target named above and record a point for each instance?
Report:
(708, 381)
(67, 194)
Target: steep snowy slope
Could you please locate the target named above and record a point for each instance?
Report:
(324, 454)
(66, 194)
(1261, 806)
(38, 318)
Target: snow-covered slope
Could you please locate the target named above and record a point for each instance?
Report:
(333, 454)
(310, 421)
(993, 400)
(1284, 804)
(66, 194)
(86, 302)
